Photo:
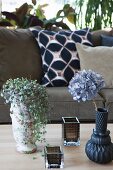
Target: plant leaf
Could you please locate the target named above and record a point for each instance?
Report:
(71, 17)
(68, 9)
(5, 23)
(44, 5)
(40, 12)
(49, 25)
(34, 2)
(30, 7)
(34, 21)
(10, 16)
(59, 13)
(21, 12)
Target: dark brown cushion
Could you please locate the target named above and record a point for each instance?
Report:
(19, 55)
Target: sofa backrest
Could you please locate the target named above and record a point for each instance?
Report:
(19, 55)
(96, 35)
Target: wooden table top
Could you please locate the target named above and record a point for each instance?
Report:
(74, 156)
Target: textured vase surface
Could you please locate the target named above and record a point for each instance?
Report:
(100, 148)
(22, 126)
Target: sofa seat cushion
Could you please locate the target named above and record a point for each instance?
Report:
(62, 105)
(107, 94)
(58, 94)
(19, 55)
(4, 112)
(61, 94)
(59, 55)
(98, 59)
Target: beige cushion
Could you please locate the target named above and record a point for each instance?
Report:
(99, 59)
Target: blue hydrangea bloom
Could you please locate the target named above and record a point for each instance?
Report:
(85, 85)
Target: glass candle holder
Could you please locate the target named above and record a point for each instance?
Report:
(54, 157)
(71, 131)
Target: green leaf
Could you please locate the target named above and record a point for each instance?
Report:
(58, 15)
(34, 2)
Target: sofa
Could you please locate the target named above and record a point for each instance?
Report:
(20, 56)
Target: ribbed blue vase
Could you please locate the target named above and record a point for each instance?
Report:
(100, 148)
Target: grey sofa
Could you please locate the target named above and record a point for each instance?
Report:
(20, 57)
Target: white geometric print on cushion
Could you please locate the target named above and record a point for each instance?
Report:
(59, 55)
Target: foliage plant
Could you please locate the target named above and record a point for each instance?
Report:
(33, 96)
(28, 15)
(100, 12)
(96, 14)
(85, 85)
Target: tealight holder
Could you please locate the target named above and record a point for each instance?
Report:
(71, 131)
(54, 157)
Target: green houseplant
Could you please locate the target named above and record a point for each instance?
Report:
(95, 14)
(100, 11)
(29, 104)
(23, 18)
(90, 13)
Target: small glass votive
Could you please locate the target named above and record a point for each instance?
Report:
(54, 157)
(71, 131)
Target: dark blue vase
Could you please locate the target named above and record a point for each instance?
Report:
(100, 148)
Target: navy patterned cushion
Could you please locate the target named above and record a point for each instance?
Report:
(59, 55)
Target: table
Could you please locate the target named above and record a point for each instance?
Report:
(74, 156)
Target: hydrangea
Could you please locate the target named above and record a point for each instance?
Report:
(85, 85)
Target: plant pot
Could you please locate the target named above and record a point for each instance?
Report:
(99, 148)
(22, 126)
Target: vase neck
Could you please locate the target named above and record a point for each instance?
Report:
(101, 120)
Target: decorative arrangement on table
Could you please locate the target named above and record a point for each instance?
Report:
(29, 104)
(84, 86)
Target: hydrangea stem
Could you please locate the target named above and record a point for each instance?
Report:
(95, 105)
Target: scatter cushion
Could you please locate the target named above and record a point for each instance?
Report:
(107, 40)
(99, 59)
(96, 35)
(59, 56)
